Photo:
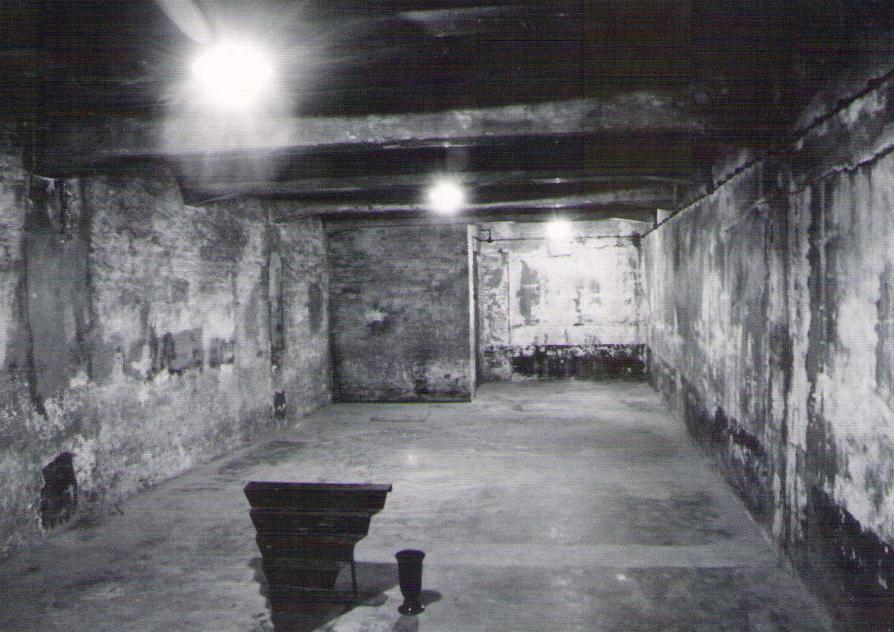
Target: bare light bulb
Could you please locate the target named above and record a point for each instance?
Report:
(446, 197)
(232, 75)
(558, 229)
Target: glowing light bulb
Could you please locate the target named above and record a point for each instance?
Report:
(558, 229)
(446, 197)
(232, 75)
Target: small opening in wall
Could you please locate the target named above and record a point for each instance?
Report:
(279, 404)
(59, 496)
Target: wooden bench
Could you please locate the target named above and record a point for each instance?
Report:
(306, 531)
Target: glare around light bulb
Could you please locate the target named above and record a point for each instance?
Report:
(558, 229)
(232, 75)
(446, 197)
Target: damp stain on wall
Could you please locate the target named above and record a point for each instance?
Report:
(577, 314)
(135, 337)
(588, 362)
(399, 301)
(770, 335)
(528, 294)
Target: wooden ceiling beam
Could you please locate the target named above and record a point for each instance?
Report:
(407, 194)
(75, 144)
(639, 202)
(524, 214)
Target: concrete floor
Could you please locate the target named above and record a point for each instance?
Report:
(543, 506)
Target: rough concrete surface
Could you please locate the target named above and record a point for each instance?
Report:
(15, 400)
(302, 371)
(576, 297)
(540, 506)
(770, 331)
(136, 335)
(399, 312)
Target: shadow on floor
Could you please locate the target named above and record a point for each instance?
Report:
(270, 453)
(410, 623)
(304, 611)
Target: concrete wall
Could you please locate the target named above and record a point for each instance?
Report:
(135, 334)
(15, 404)
(399, 312)
(770, 332)
(299, 307)
(567, 308)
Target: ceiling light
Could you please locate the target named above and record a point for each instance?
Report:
(558, 229)
(232, 75)
(446, 197)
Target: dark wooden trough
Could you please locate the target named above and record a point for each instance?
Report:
(307, 531)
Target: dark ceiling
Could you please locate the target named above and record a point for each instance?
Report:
(605, 108)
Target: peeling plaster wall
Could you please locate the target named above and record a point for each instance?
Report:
(302, 371)
(399, 312)
(709, 274)
(146, 345)
(770, 331)
(15, 401)
(559, 309)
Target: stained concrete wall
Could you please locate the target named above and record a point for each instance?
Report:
(399, 306)
(136, 334)
(770, 306)
(568, 308)
(299, 309)
(15, 402)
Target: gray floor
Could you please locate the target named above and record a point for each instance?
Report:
(543, 506)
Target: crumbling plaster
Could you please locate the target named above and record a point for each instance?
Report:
(400, 311)
(136, 333)
(770, 331)
(560, 308)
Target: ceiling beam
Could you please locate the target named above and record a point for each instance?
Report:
(77, 145)
(656, 169)
(639, 204)
(411, 194)
(476, 180)
(500, 215)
